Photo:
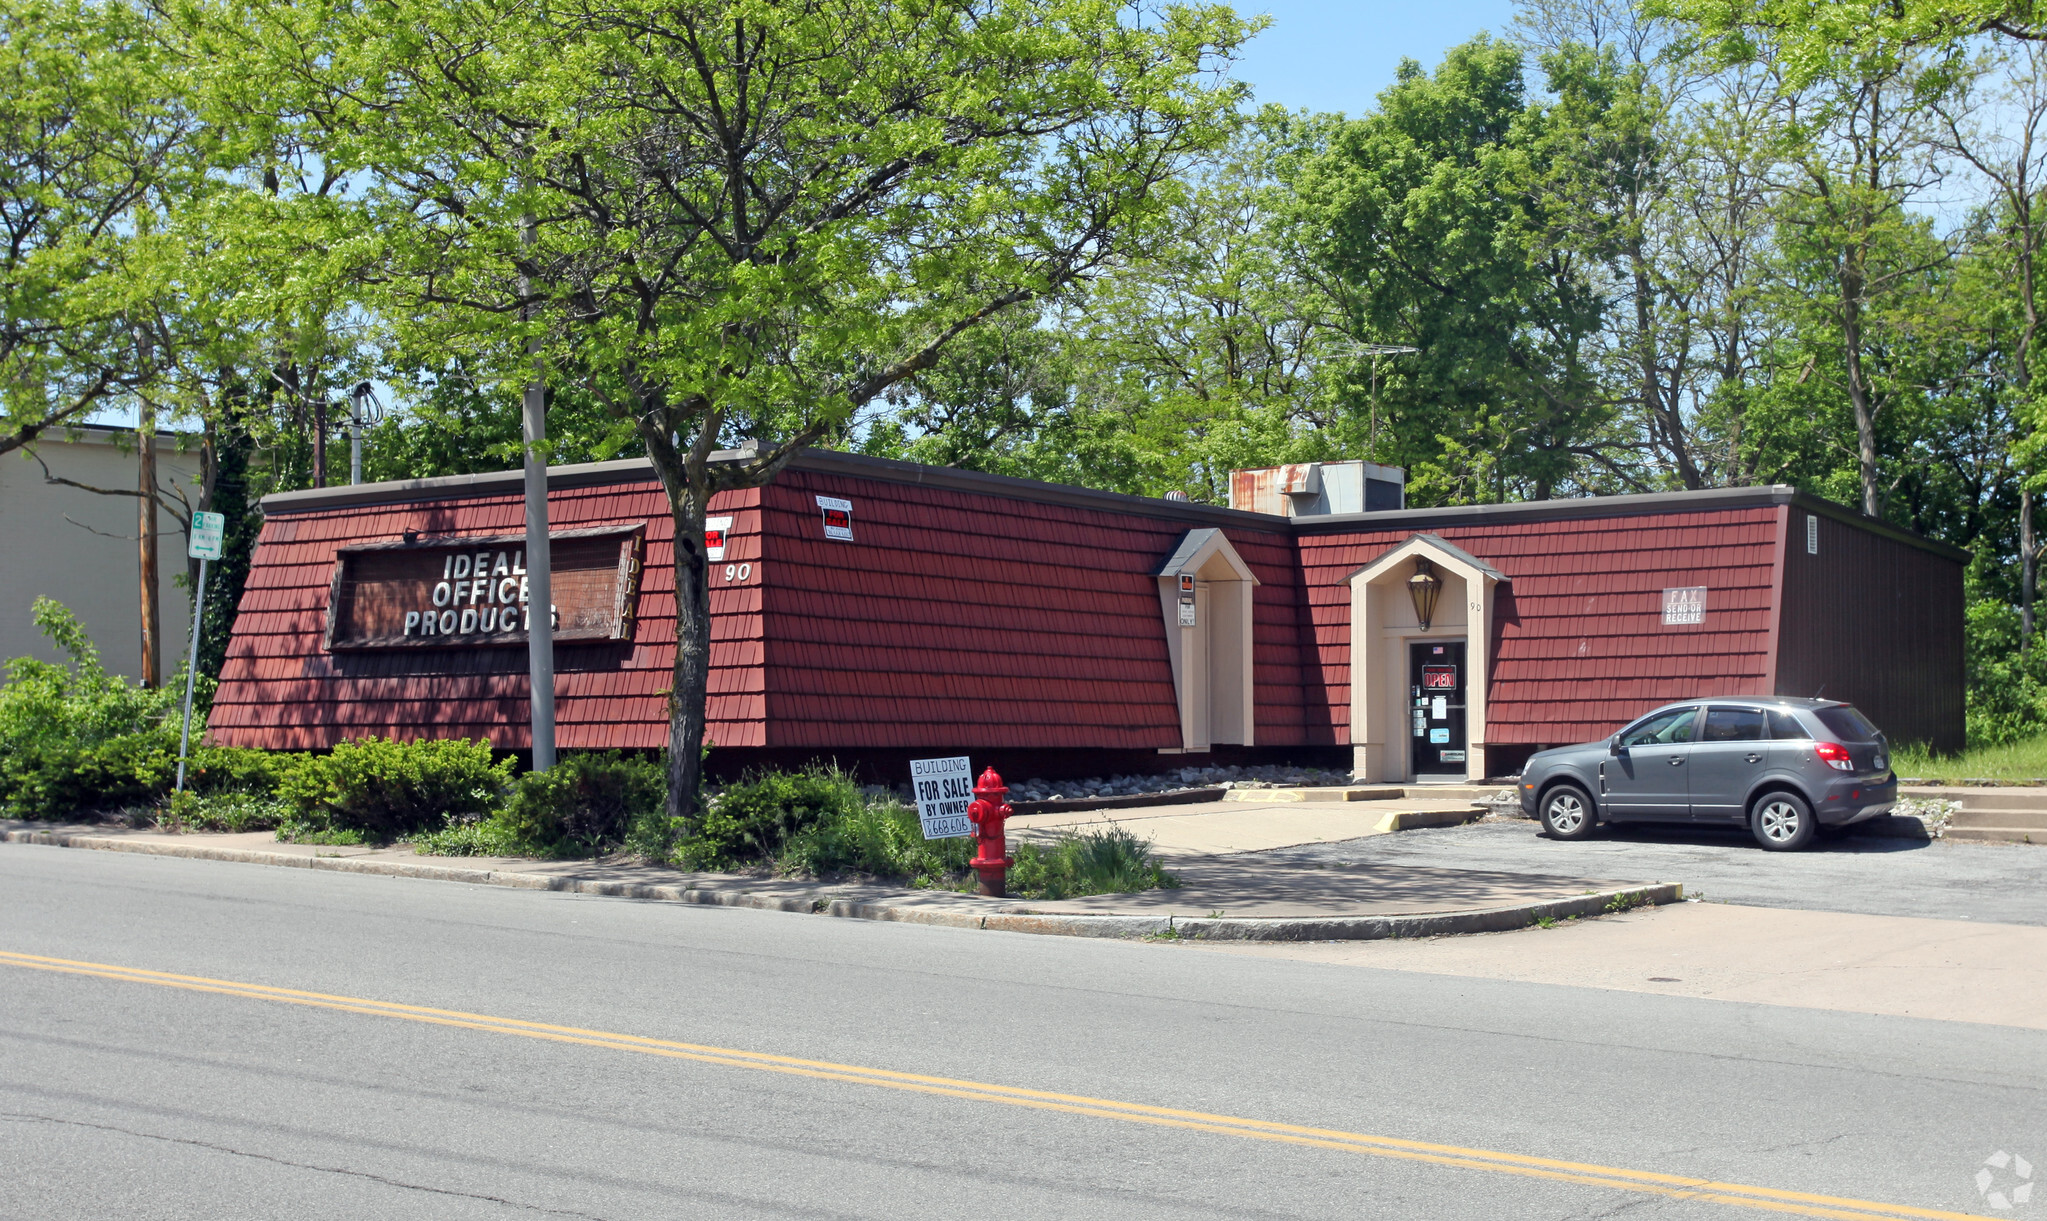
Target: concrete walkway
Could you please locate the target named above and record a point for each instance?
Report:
(1234, 898)
(1245, 825)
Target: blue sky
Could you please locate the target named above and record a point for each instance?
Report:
(1332, 55)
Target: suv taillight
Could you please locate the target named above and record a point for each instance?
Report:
(1835, 754)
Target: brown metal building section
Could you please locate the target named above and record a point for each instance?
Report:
(1874, 618)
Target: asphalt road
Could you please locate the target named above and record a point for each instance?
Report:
(1942, 879)
(161, 1096)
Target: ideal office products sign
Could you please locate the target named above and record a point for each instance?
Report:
(477, 591)
(838, 517)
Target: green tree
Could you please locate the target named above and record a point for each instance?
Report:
(728, 218)
(86, 136)
(1434, 219)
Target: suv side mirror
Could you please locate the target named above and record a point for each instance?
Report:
(1613, 745)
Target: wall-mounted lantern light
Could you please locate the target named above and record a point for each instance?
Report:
(1423, 587)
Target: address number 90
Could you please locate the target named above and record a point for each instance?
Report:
(738, 572)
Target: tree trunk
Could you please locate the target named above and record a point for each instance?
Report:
(687, 700)
(1858, 389)
(150, 599)
(2026, 561)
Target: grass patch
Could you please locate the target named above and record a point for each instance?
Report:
(2024, 760)
(1111, 861)
(817, 823)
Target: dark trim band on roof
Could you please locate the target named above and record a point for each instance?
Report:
(823, 461)
(1704, 500)
(863, 466)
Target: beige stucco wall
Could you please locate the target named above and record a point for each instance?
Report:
(80, 548)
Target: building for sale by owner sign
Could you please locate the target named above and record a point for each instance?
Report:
(878, 612)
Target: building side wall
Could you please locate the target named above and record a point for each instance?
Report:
(1578, 644)
(79, 548)
(1875, 622)
(280, 689)
(957, 620)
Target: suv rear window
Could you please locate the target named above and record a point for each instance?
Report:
(1784, 725)
(1847, 723)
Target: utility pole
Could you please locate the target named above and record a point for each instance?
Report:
(361, 399)
(539, 586)
(149, 599)
(320, 442)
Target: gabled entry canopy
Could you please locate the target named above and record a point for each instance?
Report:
(1383, 623)
(1437, 550)
(1205, 596)
(1207, 554)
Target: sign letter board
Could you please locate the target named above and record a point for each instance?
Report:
(944, 787)
(453, 592)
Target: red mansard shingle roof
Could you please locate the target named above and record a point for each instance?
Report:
(976, 612)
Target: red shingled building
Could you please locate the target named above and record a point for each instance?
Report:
(876, 611)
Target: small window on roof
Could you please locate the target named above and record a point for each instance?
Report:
(1784, 725)
(1847, 723)
(1733, 725)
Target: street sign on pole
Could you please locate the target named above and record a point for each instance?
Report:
(208, 531)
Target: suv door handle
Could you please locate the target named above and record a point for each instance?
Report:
(1676, 759)
(1754, 757)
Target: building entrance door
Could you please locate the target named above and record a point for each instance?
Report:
(1435, 681)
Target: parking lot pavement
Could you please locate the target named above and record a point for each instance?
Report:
(1947, 880)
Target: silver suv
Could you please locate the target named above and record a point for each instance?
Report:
(1784, 767)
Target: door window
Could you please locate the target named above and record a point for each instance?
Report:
(1784, 726)
(1733, 725)
(1662, 729)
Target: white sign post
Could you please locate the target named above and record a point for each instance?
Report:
(944, 787)
(207, 532)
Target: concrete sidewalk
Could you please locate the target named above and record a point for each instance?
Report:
(1949, 970)
(1221, 897)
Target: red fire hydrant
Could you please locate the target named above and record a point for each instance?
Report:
(987, 811)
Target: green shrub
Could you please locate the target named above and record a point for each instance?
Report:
(240, 769)
(490, 837)
(75, 739)
(380, 790)
(230, 810)
(587, 803)
(750, 823)
(1105, 862)
(881, 838)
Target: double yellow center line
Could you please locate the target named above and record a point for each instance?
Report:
(1679, 1187)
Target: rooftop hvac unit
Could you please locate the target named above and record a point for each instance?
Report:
(1318, 489)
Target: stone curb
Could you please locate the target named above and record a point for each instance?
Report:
(1316, 928)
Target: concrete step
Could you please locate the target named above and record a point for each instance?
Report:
(2030, 820)
(2012, 798)
(1408, 820)
(1332, 792)
(2007, 835)
(1369, 792)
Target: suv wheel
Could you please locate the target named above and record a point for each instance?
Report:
(1567, 813)
(1782, 822)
